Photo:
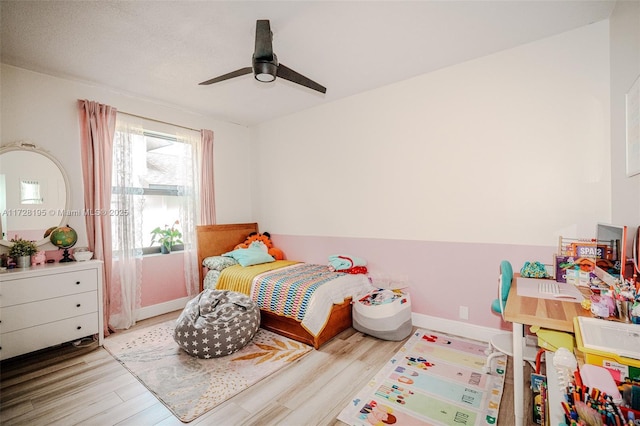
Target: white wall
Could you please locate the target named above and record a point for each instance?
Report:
(436, 179)
(42, 109)
(509, 148)
(625, 69)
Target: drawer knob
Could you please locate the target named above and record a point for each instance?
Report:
(78, 305)
(77, 282)
(79, 327)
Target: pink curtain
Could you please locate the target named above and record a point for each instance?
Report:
(97, 129)
(207, 193)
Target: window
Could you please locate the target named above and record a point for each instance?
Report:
(30, 192)
(160, 184)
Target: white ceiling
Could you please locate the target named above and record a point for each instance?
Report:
(161, 50)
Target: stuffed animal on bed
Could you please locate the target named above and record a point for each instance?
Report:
(264, 238)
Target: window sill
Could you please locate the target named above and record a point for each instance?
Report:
(162, 254)
(147, 251)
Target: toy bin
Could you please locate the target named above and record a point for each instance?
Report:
(385, 314)
(610, 344)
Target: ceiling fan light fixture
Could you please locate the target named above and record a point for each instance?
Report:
(265, 72)
(264, 63)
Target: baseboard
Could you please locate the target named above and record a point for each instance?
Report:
(458, 328)
(162, 308)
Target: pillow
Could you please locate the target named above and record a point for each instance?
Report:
(211, 279)
(218, 263)
(250, 256)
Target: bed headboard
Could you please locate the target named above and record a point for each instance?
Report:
(214, 240)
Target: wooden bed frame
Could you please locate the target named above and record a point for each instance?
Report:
(214, 240)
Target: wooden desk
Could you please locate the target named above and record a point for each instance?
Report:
(546, 313)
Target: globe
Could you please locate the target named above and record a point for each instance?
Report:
(49, 231)
(64, 237)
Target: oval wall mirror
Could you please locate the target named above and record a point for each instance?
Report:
(34, 193)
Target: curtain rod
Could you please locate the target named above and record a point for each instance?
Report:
(157, 121)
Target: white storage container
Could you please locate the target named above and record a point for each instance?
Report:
(385, 314)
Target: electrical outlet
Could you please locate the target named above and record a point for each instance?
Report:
(464, 312)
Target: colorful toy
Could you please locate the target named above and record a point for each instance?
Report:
(264, 238)
(38, 259)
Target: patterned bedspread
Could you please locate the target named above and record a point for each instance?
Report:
(240, 278)
(288, 291)
(302, 291)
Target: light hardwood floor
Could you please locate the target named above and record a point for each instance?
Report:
(86, 386)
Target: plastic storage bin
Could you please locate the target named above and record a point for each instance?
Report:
(385, 314)
(610, 344)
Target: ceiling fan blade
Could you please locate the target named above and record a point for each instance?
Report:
(291, 75)
(236, 73)
(264, 37)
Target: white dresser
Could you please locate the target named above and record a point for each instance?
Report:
(46, 305)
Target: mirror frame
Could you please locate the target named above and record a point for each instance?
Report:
(30, 147)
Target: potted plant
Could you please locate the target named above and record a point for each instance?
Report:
(167, 237)
(21, 251)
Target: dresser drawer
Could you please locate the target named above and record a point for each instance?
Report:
(25, 290)
(27, 315)
(43, 336)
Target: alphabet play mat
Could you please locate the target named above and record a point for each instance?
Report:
(434, 379)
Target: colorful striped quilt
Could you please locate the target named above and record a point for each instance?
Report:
(240, 278)
(287, 291)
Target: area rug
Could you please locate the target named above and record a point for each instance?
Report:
(190, 386)
(434, 379)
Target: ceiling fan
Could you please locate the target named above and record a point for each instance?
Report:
(265, 66)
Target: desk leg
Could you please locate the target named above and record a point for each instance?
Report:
(518, 373)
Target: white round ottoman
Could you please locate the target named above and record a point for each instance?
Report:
(384, 314)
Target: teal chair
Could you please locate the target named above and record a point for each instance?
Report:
(502, 344)
(504, 285)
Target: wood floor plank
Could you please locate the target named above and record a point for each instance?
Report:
(85, 413)
(115, 415)
(151, 415)
(131, 390)
(227, 413)
(87, 386)
(174, 421)
(324, 401)
(274, 414)
(53, 402)
(14, 411)
(320, 375)
(260, 395)
(61, 381)
(19, 374)
(348, 363)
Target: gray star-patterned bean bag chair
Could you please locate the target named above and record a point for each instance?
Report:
(217, 323)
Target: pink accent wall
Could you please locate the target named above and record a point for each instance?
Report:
(162, 278)
(442, 276)
(56, 254)
(25, 234)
